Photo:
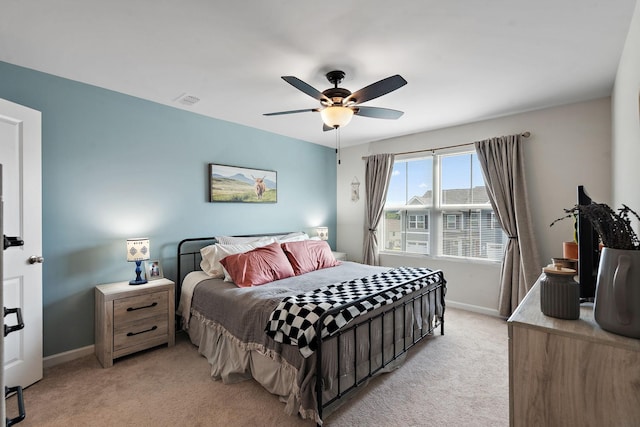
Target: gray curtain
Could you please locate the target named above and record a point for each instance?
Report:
(503, 169)
(377, 176)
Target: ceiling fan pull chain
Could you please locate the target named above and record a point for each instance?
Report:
(338, 143)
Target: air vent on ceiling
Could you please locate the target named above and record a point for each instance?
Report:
(188, 100)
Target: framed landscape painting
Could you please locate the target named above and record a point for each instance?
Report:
(242, 185)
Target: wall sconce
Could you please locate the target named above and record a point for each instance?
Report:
(323, 233)
(138, 251)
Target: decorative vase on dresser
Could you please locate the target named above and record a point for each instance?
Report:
(617, 303)
(617, 293)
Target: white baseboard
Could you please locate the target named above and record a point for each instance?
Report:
(67, 356)
(70, 355)
(474, 308)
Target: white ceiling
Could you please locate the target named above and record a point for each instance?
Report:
(464, 60)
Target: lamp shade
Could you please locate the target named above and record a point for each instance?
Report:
(138, 249)
(336, 116)
(323, 233)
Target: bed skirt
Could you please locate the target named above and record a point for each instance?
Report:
(233, 361)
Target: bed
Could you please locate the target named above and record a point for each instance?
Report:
(266, 332)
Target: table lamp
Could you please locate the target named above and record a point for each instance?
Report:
(323, 233)
(138, 251)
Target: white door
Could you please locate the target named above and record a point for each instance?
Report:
(20, 156)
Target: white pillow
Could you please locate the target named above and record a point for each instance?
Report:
(232, 240)
(293, 237)
(212, 254)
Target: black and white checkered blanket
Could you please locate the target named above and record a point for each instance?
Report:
(294, 320)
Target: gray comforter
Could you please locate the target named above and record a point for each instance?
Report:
(244, 312)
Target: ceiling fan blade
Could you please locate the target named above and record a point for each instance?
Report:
(308, 110)
(326, 128)
(378, 113)
(376, 89)
(306, 88)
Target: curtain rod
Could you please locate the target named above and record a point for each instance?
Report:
(525, 134)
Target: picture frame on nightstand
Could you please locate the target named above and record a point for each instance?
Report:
(153, 270)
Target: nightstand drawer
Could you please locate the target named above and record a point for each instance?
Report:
(134, 333)
(133, 309)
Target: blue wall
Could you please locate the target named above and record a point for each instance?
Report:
(116, 166)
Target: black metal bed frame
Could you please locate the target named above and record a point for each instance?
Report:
(387, 314)
(194, 255)
(366, 322)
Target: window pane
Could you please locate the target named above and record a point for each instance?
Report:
(397, 192)
(417, 240)
(473, 236)
(411, 183)
(419, 182)
(461, 180)
(392, 225)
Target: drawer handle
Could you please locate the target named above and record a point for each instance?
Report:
(130, 334)
(144, 306)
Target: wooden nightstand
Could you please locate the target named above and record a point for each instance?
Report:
(133, 318)
(340, 256)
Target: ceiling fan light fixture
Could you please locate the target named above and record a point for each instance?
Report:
(336, 116)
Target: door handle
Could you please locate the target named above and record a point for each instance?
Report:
(12, 241)
(35, 259)
(20, 325)
(20, 401)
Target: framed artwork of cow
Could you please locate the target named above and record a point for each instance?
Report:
(233, 184)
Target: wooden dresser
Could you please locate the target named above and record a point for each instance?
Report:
(133, 318)
(570, 372)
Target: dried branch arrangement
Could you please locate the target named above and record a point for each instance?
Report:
(614, 228)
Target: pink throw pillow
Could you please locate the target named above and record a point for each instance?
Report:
(259, 266)
(309, 255)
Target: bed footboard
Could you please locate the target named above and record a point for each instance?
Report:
(369, 344)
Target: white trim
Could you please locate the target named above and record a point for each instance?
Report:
(469, 307)
(67, 356)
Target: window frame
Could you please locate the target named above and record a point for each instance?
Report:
(434, 222)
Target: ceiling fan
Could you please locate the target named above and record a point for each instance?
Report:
(338, 105)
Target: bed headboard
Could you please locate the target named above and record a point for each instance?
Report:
(188, 257)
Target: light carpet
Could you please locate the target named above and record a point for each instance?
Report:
(459, 379)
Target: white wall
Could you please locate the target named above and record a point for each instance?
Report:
(569, 145)
(626, 122)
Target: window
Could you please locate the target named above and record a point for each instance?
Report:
(417, 221)
(452, 221)
(438, 205)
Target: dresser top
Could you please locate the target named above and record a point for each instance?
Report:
(529, 315)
